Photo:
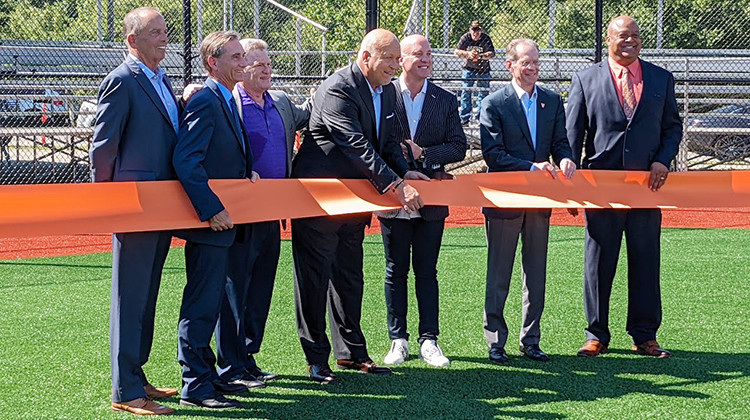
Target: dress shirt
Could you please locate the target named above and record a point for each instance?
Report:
(167, 99)
(376, 103)
(414, 106)
(636, 78)
(264, 131)
(529, 106)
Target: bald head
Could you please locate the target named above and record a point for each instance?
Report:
(378, 57)
(145, 32)
(416, 59)
(623, 40)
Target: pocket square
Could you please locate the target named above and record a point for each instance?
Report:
(390, 116)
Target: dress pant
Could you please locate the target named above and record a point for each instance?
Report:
(249, 288)
(206, 269)
(400, 237)
(502, 240)
(603, 239)
(328, 256)
(137, 263)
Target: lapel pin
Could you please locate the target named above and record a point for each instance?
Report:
(542, 104)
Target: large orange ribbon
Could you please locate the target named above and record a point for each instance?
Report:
(62, 209)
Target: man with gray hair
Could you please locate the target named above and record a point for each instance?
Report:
(520, 127)
(271, 122)
(210, 145)
(136, 128)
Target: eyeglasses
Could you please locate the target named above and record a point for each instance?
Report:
(476, 29)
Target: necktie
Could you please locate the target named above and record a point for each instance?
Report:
(237, 123)
(628, 96)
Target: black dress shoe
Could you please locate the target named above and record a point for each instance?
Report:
(533, 352)
(218, 402)
(248, 381)
(263, 376)
(229, 388)
(498, 355)
(363, 365)
(321, 372)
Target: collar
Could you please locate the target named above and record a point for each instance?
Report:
(403, 88)
(147, 71)
(267, 99)
(520, 92)
(634, 68)
(373, 92)
(224, 91)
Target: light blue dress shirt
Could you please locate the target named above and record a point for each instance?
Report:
(376, 102)
(528, 104)
(157, 81)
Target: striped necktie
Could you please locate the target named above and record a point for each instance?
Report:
(628, 96)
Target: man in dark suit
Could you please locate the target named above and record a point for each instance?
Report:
(350, 136)
(136, 129)
(520, 127)
(428, 127)
(271, 122)
(622, 115)
(210, 145)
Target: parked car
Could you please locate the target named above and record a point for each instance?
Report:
(33, 107)
(723, 133)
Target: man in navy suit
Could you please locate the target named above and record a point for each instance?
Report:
(350, 136)
(521, 126)
(430, 133)
(210, 145)
(136, 129)
(622, 115)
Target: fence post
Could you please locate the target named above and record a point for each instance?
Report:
(446, 23)
(371, 15)
(598, 33)
(323, 56)
(681, 163)
(298, 43)
(187, 43)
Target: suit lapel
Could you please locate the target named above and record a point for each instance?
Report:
(428, 107)
(228, 114)
(149, 88)
(543, 109)
(514, 104)
(645, 80)
(364, 92)
(606, 78)
(387, 102)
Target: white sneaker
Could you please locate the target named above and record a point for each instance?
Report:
(398, 353)
(431, 353)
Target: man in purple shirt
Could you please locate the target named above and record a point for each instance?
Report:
(271, 121)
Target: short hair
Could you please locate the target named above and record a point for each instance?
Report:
(252, 44)
(132, 23)
(510, 52)
(213, 45)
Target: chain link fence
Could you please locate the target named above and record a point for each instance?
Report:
(54, 54)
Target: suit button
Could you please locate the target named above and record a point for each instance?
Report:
(627, 150)
(240, 174)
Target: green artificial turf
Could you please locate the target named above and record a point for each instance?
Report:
(54, 360)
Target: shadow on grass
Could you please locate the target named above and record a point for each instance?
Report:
(474, 388)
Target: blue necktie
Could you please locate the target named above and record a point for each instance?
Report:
(237, 123)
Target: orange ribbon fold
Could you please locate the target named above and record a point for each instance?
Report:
(62, 209)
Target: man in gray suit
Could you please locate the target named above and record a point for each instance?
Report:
(134, 136)
(430, 133)
(520, 127)
(271, 122)
(623, 115)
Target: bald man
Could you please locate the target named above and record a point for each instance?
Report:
(350, 136)
(622, 115)
(430, 133)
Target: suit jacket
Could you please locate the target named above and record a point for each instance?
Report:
(133, 136)
(506, 139)
(597, 124)
(342, 142)
(292, 116)
(210, 145)
(439, 133)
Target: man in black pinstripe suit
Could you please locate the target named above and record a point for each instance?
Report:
(428, 127)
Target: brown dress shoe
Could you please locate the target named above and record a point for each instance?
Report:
(365, 365)
(592, 348)
(159, 393)
(651, 348)
(143, 407)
